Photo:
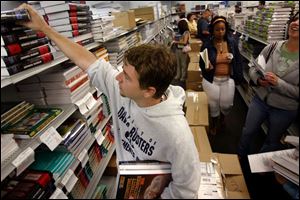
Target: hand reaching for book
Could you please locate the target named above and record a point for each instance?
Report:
(36, 22)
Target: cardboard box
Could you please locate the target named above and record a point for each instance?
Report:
(194, 57)
(124, 19)
(197, 108)
(202, 143)
(194, 73)
(233, 179)
(146, 13)
(194, 86)
(229, 165)
(195, 44)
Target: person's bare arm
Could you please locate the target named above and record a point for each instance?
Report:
(78, 54)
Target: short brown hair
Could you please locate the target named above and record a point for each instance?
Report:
(155, 64)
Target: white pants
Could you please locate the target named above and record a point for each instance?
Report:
(220, 95)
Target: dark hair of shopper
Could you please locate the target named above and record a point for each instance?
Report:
(182, 26)
(189, 16)
(215, 21)
(155, 65)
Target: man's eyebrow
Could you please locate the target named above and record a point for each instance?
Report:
(126, 74)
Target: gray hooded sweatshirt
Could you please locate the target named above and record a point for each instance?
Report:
(285, 95)
(158, 132)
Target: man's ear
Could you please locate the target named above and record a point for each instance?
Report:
(149, 92)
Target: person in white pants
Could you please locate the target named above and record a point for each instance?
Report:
(224, 71)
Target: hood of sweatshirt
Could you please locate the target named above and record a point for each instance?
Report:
(173, 105)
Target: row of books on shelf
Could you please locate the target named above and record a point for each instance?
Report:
(58, 164)
(23, 48)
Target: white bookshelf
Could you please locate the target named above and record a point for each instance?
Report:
(7, 167)
(98, 174)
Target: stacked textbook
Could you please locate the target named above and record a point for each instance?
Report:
(139, 180)
(288, 165)
(21, 48)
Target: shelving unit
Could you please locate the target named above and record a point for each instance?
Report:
(97, 176)
(38, 69)
(7, 167)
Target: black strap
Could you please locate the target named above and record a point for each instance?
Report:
(271, 50)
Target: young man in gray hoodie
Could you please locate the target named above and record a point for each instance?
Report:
(148, 120)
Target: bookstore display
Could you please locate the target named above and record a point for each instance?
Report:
(57, 140)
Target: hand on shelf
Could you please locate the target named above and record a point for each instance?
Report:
(36, 22)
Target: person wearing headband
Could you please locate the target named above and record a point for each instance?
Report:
(224, 72)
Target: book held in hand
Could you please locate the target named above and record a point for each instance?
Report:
(14, 15)
(204, 56)
(143, 179)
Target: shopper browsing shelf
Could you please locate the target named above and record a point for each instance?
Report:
(277, 96)
(149, 123)
(182, 40)
(225, 69)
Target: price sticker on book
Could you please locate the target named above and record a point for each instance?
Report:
(100, 139)
(83, 157)
(51, 138)
(67, 176)
(24, 160)
(91, 102)
(58, 194)
(72, 181)
(82, 107)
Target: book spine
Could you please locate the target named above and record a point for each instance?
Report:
(11, 60)
(42, 59)
(67, 82)
(86, 42)
(78, 13)
(34, 43)
(29, 35)
(9, 29)
(77, 7)
(79, 84)
(74, 20)
(15, 15)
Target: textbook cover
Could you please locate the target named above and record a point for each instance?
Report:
(143, 180)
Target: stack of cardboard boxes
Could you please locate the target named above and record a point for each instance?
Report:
(125, 19)
(194, 77)
(228, 164)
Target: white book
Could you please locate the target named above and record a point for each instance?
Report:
(204, 56)
(66, 14)
(68, 99)
(51, 3)
(71, 27)
(4, 71)
(69, 20)
(3, 52)
(62, 85)
(262, 162)
(2, 42)
(66, 6)
(62, 74)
